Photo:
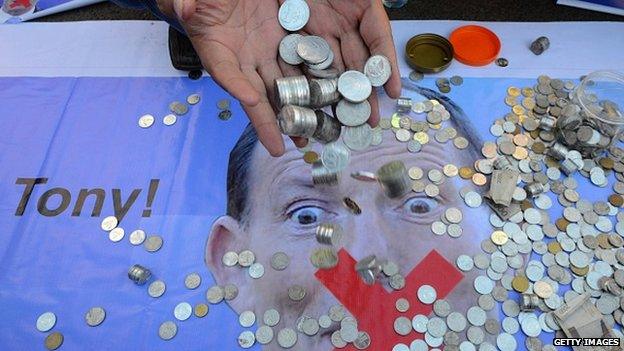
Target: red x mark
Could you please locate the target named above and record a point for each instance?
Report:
(374, 307)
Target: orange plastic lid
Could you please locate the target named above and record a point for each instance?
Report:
(475, 45)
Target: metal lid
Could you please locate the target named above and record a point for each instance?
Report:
(429, 53)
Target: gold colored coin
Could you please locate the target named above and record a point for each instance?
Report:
(606, 163)
(528, 103)
(520, 153)
(616, 200)
(518, 110)
(543, 289)
(520, 283)
(603, 241)
(450, 170)
(538, 147)
(499, 237)
(201, 310)
(466, 172)
(528, 92)
(352, 206)
(554, 247)
(521, 139)
(511, 101)
(479, 179)
(395, 121)
(310, 157)
(581, 272)
(513, 91)
(435, 126)
(54, 341)
(421, 137)
(562, 224)
(551, 162)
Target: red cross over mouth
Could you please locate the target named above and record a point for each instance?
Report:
(374, 307)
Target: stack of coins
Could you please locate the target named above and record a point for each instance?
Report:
(297, 121)
(139, 274)
(329, 234)
(394, 179)
(293, 91)
(321, 175)
(323, 92)
(540, 45)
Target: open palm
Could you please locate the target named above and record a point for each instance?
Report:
(238, 40)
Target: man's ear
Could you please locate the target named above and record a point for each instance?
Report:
(226, 235)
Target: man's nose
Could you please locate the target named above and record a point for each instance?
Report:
(366, 234)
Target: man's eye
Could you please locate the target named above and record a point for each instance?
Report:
(418, 205)
(308, 215)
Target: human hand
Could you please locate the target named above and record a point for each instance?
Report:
(238, 40)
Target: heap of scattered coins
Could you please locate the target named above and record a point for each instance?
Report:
(177, 108)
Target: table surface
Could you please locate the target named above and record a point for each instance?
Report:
(473, 10)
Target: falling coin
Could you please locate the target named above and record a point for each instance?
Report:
(146, 121)
(352, 206)
(95, 316)
(54, 341)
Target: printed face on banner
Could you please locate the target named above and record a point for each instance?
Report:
(283, 210)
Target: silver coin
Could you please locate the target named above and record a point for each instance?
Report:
(427, 294)
(364, 176)
(246, 339)
(530, 326)
(402, 305)
(137, 237)
(419, 323)
(402, 347)
(310, 326)
(183, 311)
(95, 316)
(256, 270)
(293, 15)
(476, 316)
(335, 156)
(353, 114)
(390, 268)
(192, 281)
(436, 327)
(442, 308)
(264, 334)
(296, 292)
(402, 326)
(456, 322)
(193, 99)
(178, 108)
(279, 261)
(313, 49)
(230, 259)
(246, 258)
(271, 317)
(116, 235)
(146, 121)
(247, 319)
(325, 321)
(286, 338)
(337, 341)
(230, 292)
(288, 49)
(483, 285)
(156, 288)
(46, 321)
(337, 313)
(397, 282)
(225, 115)
(215, 294)
(358, 138)
(109, 223)
(456, 80)
(414, 146)
(167, 330)
(153, 243)
(465, 263)
(416, 76)
(506, 342)
(223, 104)
(354, 86)
(378, 70)
(363, 341)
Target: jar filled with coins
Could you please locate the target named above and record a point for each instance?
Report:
(600, 101)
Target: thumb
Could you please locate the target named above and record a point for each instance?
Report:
(184, 9)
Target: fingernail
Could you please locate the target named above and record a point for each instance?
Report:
(178, 7)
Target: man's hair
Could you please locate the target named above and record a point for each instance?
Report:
(240, 161)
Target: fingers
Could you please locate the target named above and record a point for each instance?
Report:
(374, 102)
(338, 59)
(262, 117)
(184, 9)
(269, 71)
(354, 51)
(224, 67)
(377, 34)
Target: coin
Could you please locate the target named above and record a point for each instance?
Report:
(225, 115)
(146, 121)
(358, 138)
(200, 310)
(271, 317)
(215, 294)
(353, 114)
(246, 258)
(288, 49)
(137, 237)
(53, 341)
(364, 176)
(402, 326)
(279, 261)
(192, 281)
(169, 119)
(46, 321)
(95, 316)
(256, 270)
(378, 70)
(286, 338)
(427, 294)
(293, 15)
(167, 330)
(156, 288)
(153, 243)
(247, 319)
(178, 108)
(296, 292)
(264, 334)
(230, 292)
(193, 99)
(456, 80)
(335, 156)
(354, 86)
(230, 259)
(502, 62)
(520, 283)
(116, 234)
(182, 311)
(109, 223)
(313, 49)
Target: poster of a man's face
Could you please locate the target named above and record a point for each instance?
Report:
(273, 206)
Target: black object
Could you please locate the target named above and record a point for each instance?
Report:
(182, 53)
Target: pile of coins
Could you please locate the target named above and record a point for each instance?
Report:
(177, 108)
(444, 84)
(151, 243)
(224, 109)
